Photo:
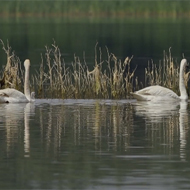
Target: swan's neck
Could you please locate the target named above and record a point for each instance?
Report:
(182, 88)
(27, 83)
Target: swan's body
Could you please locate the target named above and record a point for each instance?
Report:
(159, 93)
(10, 95)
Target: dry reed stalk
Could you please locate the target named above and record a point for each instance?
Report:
(12, 70)
(50, 67)
(41, 80)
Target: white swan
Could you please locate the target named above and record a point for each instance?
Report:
(159, 93)
(10, 95)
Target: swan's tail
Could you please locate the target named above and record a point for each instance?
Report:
(32, 97)
(139, 97)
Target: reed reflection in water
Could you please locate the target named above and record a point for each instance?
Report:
(84, 144)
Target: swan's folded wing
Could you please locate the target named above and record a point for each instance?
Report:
(142, 97)
(12, 95)
(10, 92)
(4, 94)
(156, 91)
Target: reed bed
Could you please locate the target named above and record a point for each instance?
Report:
(110, 79)
(55, 80)
(12, 75)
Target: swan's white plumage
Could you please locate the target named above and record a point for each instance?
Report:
(159, 93)
(155, 93)
(10, 95)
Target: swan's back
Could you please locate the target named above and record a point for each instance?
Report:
(155, 93)
(10, 95)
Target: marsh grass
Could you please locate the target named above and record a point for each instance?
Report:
(12, 75)
(110, 78)
(55, 80)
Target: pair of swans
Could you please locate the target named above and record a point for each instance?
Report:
(159, 93)
(151, 93)
(10, 95)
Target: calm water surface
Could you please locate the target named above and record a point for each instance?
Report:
(145, 39)
(94, 144)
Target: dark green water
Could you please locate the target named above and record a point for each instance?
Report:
(94, 144)
(144, 38)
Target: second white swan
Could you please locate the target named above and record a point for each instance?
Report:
(10, 95)
(159, 93)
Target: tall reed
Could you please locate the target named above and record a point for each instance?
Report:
(55, 80)
(12, 74)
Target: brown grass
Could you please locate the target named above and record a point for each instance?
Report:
(12, 75)
(77, 81)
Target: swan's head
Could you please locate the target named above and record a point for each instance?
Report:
(27, 63)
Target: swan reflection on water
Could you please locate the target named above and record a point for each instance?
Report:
(156, 111)
(183, 125)
(157, 114)
(12, 118)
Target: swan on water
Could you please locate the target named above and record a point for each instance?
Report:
(159, 93)
(10, 95)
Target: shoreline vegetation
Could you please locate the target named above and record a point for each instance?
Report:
(110, 78)
(95, 8)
